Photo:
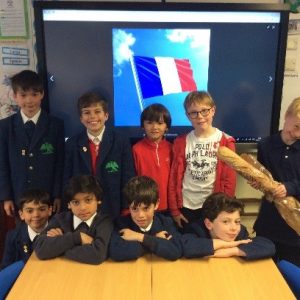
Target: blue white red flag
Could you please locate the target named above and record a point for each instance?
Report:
(160, 76)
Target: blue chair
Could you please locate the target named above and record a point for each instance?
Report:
(291, 274)
(8, 277)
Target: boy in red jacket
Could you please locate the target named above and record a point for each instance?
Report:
(152, 155)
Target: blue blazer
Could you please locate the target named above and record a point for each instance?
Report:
(70, 245)
(18, 245)
(121, 250)
(198, 243)
(25, 165)
(114, 166)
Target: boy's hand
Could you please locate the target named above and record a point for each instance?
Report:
(56, 205)
(164, 235)
(280, 191)
(179, 219)
(229, 252)
(86, 239)
(220, 244)
(54, 232)
(9, 208)
(130, 235)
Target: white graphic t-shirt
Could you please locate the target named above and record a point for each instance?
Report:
(200, 173)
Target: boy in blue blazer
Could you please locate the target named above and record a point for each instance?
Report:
(144, 230)
(35, 209)
(100, 151)
(31, 145)
(81, 234)
(219, 233)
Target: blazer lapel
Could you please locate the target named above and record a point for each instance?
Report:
(105, 146)
(84, 150)
(19, 130)
(40, 128)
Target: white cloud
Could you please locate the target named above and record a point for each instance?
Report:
(198, 38)
(122, 41)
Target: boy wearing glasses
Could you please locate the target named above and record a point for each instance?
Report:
(196, 172)
(81, 234)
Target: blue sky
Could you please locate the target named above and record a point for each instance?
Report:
(192, 44)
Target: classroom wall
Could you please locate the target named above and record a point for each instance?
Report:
(26, 44)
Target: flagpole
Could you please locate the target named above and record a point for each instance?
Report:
(136, 81)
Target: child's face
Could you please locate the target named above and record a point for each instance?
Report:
(225, 227)
(291, 129)
(155, 130)
(29, 101)
(93, 118)
(35, 215)
(142, 215)
(202, 121)
(84, 205)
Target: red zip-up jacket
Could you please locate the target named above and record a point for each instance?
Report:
(154, 160)
(225, 176)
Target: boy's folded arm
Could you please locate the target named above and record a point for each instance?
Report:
(170, 249)
(96, 252)
(194, 246)
(50, 247)
(121, 250)
(260, 247)
(228, 252)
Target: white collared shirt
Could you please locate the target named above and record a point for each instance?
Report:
(77, 221)
(34, 119)
(99, 137)
(32, 234)
(147, 228)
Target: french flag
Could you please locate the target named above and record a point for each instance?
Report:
(160, 76)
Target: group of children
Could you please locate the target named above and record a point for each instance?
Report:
(181, 203)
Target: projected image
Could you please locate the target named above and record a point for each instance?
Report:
(157, 66)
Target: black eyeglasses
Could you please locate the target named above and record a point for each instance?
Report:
(204, 113)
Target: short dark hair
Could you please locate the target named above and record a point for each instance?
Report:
(156, 113)
(26, 80)
(89, 99)
(218, 202)
(141, 190)
(82, 184)
(37, 196)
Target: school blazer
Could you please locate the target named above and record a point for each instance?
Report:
(18, 245)
(114, 166)
(25, 165)
(69, 244)
(121, 250)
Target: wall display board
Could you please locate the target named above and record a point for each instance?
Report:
(141, 53)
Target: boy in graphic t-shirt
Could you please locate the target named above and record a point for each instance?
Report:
(196, 172)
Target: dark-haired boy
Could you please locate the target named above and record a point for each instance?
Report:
(144, 231)
(81, 234)
(219, 232)
(31, 145)
(101, 151)
(152, 155)
(35, 209)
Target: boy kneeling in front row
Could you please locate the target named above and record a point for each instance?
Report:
(81, 234)
(219, 232)
(144, 230)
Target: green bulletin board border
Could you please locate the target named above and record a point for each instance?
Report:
(26, 36)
